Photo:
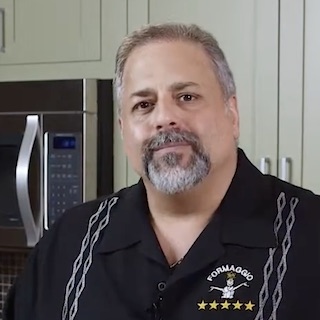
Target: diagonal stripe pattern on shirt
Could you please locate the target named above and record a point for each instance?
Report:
(88, 241)
(282, 266)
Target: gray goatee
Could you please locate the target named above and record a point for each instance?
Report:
(167, 173)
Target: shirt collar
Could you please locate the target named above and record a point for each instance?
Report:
(128, 220)
(247, 213)
(248, 208)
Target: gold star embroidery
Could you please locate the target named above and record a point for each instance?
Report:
(237, 305)
(213, 305)
(249, 306)
(225, 305)
(202, 305)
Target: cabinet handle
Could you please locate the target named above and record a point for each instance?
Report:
(285, 173)
(2, 33)
(265, 165)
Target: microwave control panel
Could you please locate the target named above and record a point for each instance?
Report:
(62, 173)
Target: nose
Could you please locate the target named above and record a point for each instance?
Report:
(166, 115)
(164, 126)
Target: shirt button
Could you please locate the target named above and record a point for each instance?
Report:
(161, 286)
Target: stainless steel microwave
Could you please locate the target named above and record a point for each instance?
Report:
(48, 164)
(56, 150)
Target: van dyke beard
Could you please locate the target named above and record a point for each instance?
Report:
(174, 178)
(170, 136)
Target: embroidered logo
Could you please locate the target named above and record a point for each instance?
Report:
(229, 290)
(235, 277)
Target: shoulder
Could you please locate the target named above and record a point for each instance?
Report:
(301, 204)
(57, 255)
(306, 197)
(66, 235)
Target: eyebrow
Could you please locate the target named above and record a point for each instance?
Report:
(176, 86)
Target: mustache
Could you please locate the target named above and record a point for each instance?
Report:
(171, 136)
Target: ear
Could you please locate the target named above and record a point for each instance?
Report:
(234, 115)
(120, 126)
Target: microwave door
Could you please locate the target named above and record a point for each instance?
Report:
(31, 222)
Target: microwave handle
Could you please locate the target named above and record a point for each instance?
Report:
(45, 193)
(31, 135)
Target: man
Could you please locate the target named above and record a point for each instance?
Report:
(201, 219)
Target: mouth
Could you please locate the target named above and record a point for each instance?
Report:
(173, 145)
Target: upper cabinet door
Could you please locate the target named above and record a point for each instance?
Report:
(37, 31)
(311, 119)
(291, 90)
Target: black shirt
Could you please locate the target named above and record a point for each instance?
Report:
(258, 258)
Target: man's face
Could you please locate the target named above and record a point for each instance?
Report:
(175, 124)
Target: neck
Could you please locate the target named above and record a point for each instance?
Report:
(179, 219)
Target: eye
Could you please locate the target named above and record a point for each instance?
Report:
(142, 105)
(186, 97)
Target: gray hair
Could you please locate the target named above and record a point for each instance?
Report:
(172, 32)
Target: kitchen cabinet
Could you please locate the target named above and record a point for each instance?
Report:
(37, 31)
(248, 32)
(310, 177)
(299, 99)
(290, 111)
(58, 39)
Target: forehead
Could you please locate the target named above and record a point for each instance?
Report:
(161, 63)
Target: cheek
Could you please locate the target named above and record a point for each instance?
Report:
(132, 140)
(214, 134)
(130, 143)
(208, 130)
(219, 126)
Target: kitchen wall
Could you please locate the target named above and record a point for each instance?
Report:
(11, 264)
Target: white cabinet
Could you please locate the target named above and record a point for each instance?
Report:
(247, 31)
(311, 102)
(58, 39)
(37, 31)
(299, 93)
(290, 121)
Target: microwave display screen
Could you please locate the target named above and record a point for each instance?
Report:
(64, 142)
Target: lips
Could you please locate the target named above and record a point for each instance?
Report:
(171, 145)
